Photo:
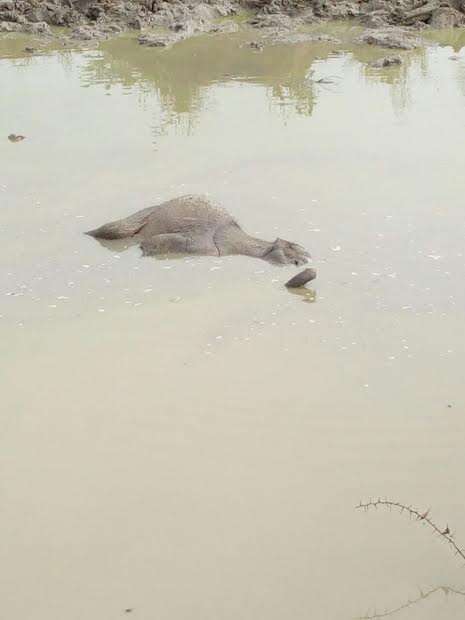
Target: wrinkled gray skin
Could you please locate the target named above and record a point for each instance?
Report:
(193, 225)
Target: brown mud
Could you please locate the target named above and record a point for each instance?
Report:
(388, 23)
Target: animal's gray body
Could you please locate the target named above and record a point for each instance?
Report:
(193, 225)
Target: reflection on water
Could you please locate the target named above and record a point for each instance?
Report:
(308, 295)
(118, 245)
(452, 37)
(447, 591)
(182, 76)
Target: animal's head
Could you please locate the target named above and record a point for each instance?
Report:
(284, 252)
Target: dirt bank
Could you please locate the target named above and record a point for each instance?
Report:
(92, 19)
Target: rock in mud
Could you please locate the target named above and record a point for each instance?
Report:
(394, 38)
(99, 18)
(37, 28)
(277, 21)
(293, 38)
(10, 27)
(409, 15)
(414, 13)
(12, 16)
(309, 10)
(224, 28)
(136, 23)
(337, 9)
(89, 33)
(192, 18)
(158, 40)
(376, 19)
(86, 33)
(387, 61)
(255, 45)
(446, 17)
(95, 33)
(53, 14)
(302, 278)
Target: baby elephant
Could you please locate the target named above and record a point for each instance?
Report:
(193, 225)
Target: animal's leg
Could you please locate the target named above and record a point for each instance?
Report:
(170, 243)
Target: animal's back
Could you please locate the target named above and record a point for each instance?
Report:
(188, 214)
(192, 215)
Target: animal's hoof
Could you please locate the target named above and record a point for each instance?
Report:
(302, 278)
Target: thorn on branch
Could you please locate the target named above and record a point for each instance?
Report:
(419, 516)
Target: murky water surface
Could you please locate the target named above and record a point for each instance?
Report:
(186, 438)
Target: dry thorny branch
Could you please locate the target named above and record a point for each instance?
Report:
(411, 602)
(444, 533)
(423, 517)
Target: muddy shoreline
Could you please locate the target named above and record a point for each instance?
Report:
(394, 24)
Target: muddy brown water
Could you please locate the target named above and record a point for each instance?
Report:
(187, 438)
